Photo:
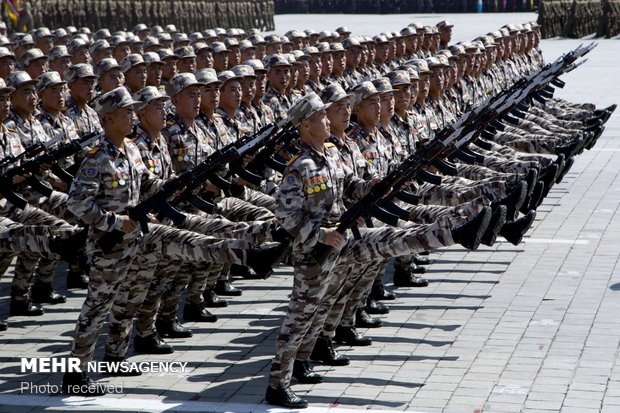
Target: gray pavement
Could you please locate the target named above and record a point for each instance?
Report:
(533, 328)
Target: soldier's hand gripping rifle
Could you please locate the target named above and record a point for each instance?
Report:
(32, 166)
(162, 204)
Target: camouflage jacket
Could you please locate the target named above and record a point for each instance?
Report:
(188, 145)
(374, 149)
(60, 129)
(278, 103)
(215, 129)
(86, 120)
(264, 112)
(30, 131)
(154, 153)
(310, 86)
(248, 120)
(109, 182)
(310, 194)
(232, 124)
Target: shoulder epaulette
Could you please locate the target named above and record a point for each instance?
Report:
(293, 159)
(94, 151)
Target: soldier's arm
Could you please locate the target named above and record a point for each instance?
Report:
(83, 202)
(292, 213)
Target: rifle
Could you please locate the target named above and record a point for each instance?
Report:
(448, 141)
(33, 166)
(187, 182)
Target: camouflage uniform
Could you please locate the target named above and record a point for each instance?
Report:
(310, 198)
(107, 183)
(85, 120)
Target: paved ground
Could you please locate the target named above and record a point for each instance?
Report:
(532, 328)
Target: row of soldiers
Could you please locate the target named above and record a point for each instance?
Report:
(375, 98)
(402, 6)
(579, 18)
(118, 15)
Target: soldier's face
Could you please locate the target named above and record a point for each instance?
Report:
(24, 99)
(314, 66)
(279, 77)
(445, 35)
(387, 105)
(111, 79)
(136, 77)
(187, 102)
(45, 44)
(248, 54)
(437, 80)
(210, 97)
(327, 64)
(381, 51)
(248, 89)
(186, 65)
(7, 66)
(273, 48)
(220, 61)
(83, 89)
(121, 51)
(169, 69)
(302, 72)
(402, 97)
(154, 114)
(234, 57)
(318, 126)
(339, 114)
(415, 89)
(153, 75)
(424, 85)
(354, 57)
(261, 84)
(60, 65)
(5, 106)
(120, 121)
(230, 95)
(37, 67)
(204, 59)
(340, 61)
(81, 56)
(53, 98)
(369, 111)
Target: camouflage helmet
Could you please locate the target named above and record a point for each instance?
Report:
(305, 107)
(113, 100)
(49, 79)
(18, 79)
(180, 82)
(207, 76)
(4, 89)
(148, 95)
(362, 91)
(333, 93)
(79, 71)
(31, 55)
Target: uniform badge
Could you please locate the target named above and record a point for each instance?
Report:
(90, 172)
(290, 179)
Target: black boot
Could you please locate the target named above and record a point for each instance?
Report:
(151, 344)
(571, 148)
(24, 307)
(212, 300)
(114, 370)
(172, 329)
(376, 307)
(67, 247)
(379, 292)
(262, 260)
(350, 336)
(535, 198)
(79, 384)
(548, 178)
(513, 200)
(243, 272)
(498, 219)
(514, 231)
(364, 320)
(470, 233)
(199, 313)
(405, 277)
(77, 279)
(45, 293)
(224, 287)
(284, 397)
(420, 260)
(3, 325)
(324, 352)
(568, 163)
(304, 374)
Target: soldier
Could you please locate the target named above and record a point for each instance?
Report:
(44, 39)
(81, 81)
(445, 33)
(78, 49)
(134, 71)
(34, 62)
(108, 182)
(278, 79)
(7, 62)
(100, 50)
(59, 60)
(220, 56)
(109, 75)
(309, 205)
(153, 69)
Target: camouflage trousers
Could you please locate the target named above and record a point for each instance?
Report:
(310, 303)
(511, 153)
(259, 199)
(549, 121)
(483, 174)
(27, 262)
(34, 239)
(109, 271)
(455, 190)
(507, 164)
(150, 280)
